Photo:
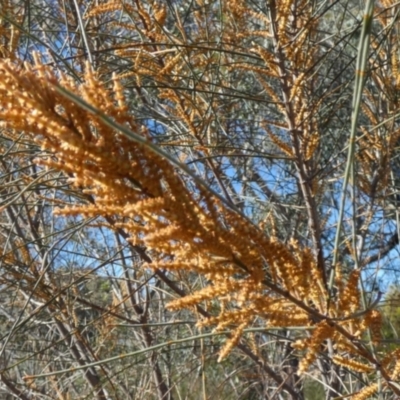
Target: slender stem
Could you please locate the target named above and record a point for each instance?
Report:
(362, 57)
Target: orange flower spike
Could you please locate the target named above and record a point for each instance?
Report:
(366, 393)
(352, 364)
(322, 332)
(232, 341)
(350, 297)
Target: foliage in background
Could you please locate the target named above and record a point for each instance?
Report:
(186, 183)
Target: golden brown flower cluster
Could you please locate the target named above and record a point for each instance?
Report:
(130, 187)
(137, 190)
